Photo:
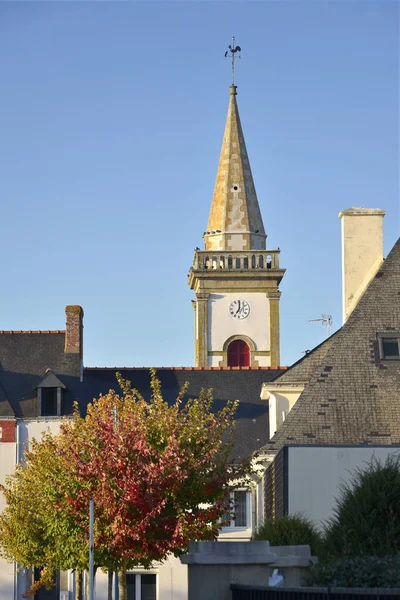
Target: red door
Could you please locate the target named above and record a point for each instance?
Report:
(238, 354)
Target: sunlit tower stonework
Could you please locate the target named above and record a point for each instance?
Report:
(235, 278)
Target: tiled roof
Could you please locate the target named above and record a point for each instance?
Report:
(353, 397)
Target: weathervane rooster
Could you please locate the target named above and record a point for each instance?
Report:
(233, 49)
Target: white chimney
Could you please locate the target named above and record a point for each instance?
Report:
(362, 252)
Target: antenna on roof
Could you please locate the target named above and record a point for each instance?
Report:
(324, 320)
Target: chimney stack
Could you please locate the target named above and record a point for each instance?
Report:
(362, 252)
(74, 330)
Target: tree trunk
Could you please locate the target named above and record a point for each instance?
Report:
(123, 590)
(78, 585)
(110, 583)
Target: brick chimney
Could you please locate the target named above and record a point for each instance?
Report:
(74, 330)
(362, 252)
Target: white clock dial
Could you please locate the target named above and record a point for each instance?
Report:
(239, 309)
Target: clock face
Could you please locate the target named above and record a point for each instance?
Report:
(239, 309)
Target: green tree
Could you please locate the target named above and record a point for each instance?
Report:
(157, 474)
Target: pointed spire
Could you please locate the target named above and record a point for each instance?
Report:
(235, 221)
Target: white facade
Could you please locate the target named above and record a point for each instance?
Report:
(222, 325)
(171, 580)
(29, 429)
(314, 474)
(7, 461)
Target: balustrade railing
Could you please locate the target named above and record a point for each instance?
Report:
(236, 261)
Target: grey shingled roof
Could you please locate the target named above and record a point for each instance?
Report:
(302, 370)
(353, 396)
(24, 360)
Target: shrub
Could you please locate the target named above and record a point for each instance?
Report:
(291, 530)
(362, 571)
(366, 520)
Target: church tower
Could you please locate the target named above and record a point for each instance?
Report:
(235, 278)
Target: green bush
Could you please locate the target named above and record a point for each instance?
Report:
(363, 571)
(291, 530)
(366, 520)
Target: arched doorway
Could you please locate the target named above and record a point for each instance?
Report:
(238, 354)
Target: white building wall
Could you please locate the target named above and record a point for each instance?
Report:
(315, 473)
(264, 361)
(171, 580)
(7, 465)
(29, 429)
(214, 361)
(221, 325)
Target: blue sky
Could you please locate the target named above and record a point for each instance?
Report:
(111, 120)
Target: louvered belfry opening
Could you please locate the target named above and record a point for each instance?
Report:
(238, 354)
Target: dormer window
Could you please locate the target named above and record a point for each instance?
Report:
(49, 393)
(49, 402)
(389, 346)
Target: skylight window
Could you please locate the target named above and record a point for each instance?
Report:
(389, 346)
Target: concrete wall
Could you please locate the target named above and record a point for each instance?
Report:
(315, 472)
(215, 566)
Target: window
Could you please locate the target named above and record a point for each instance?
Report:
(241, 508)
(238, 354)
(49, 402)
(50, 394)
(389, 346)
(141, 586)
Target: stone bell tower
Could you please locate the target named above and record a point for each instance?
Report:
(235, 278)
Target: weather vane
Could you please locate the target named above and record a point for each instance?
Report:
(233, 49)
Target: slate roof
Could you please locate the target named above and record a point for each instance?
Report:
(25, 356)
(302, 370)
(252, 426)
(353, 397)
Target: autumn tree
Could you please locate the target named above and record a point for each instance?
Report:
(157, 473)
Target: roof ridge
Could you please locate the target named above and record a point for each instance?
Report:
(280, 368)
(31, 331)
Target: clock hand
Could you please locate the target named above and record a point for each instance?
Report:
(238, 308)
